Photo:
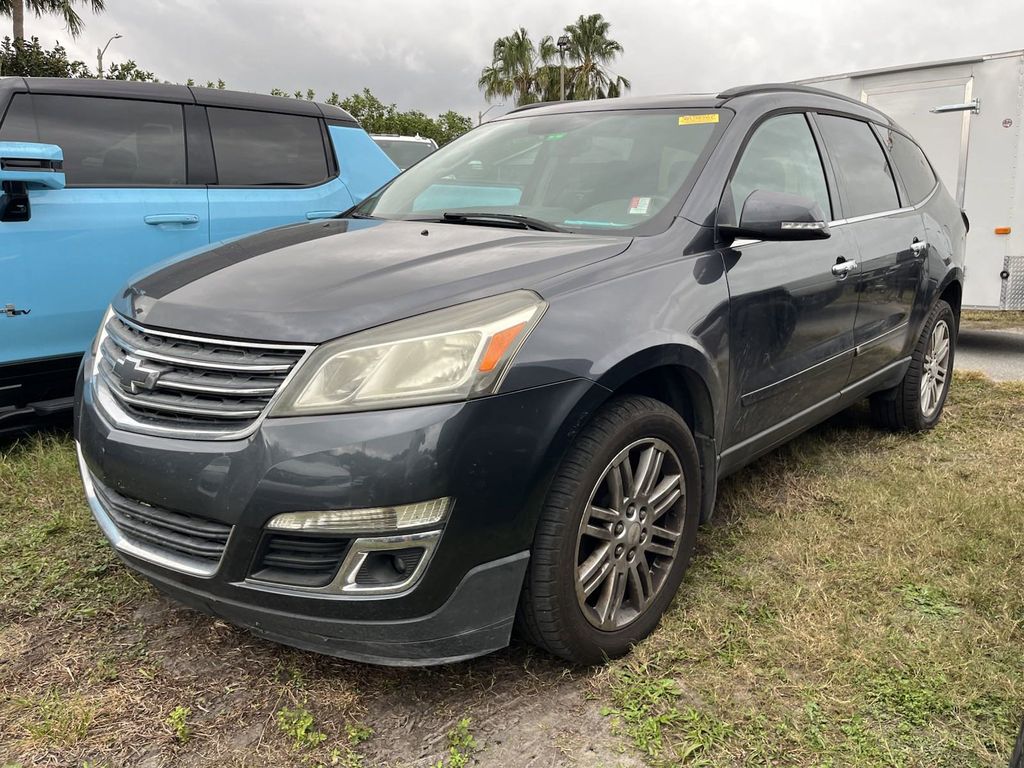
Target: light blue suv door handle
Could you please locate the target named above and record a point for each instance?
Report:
(312, 215)
(171, 218)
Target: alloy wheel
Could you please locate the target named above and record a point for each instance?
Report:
(936, 369)
(629, 534)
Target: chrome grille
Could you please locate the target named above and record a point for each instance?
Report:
(175, 381)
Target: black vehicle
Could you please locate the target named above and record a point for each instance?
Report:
(503, 389)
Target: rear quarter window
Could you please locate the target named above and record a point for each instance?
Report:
(912, 165)
(106, 142)
(267, 149)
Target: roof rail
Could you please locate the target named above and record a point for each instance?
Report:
(748, 90)
(534, 105)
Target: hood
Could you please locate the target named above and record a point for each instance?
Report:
(308, 283)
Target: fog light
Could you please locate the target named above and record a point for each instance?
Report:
(375, 520)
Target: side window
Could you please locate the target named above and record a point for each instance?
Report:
(781, 156)
(865, 178)
(267, 149)
(913, 167)
(106, 142)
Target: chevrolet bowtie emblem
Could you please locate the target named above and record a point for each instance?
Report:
(135, 376)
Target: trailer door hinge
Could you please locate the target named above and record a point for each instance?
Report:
(11, 311)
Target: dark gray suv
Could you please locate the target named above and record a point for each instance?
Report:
(503, 389)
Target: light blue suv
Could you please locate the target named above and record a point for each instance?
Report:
(102, 179)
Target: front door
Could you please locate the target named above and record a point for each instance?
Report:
(792, 310)
(125, 208)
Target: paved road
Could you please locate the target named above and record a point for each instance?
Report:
(997, 354)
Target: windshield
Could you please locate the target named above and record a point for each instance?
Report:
(405, 153)
(583, 171)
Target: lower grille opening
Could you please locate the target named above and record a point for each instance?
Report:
(192, 538)
(299, 560)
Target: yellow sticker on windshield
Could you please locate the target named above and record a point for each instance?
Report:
(698, 119)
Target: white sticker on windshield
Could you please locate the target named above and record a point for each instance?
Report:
(638, 206)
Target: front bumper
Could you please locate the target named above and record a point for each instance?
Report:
(494, 456)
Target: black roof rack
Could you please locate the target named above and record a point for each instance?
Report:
(534, 105)
(749, 90)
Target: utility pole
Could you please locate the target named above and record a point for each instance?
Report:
(563, 46)
(99, 55)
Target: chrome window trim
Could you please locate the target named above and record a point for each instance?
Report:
(344, 587)
(128, 547)
(110, 409)
(870, 216)
(743, 242)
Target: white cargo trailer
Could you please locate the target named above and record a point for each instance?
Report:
(968, 115)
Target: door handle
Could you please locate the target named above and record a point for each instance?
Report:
(843, 268)
(171, 218)
(919, 247)
(312, 215)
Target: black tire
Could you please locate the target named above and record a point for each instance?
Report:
(550, 615)
(1017, 760)
(900, 409)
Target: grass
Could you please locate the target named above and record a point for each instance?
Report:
(857, 600)
(992, 319)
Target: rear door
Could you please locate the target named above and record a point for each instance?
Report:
(791, 316)
(890, 237)
(272, 169)
(127, 206)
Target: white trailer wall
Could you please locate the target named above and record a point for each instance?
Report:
(977, 156)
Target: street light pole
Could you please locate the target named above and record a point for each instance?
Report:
(480, 115)
(563, 45)
(99, 54)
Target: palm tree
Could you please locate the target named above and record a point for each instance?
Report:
(592, 51)
(513, 71)
(65, 8)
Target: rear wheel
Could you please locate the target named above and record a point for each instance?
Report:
(615, 535)
(916, 404)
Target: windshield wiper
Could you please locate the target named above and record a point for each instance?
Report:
(526, 222)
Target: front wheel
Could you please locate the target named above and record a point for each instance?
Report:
(615, 535)
(916, 403)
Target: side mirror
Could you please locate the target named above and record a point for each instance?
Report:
(37, 166)
(775, 216)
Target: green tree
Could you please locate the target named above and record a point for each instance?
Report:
(66, 9)
(450, 126)
(515, 64)
(129, 70)
(526, 72)
(374, 115)
(27, 58)
(591, 51)
(377, 117)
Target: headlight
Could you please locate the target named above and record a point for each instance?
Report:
(443, 356)
(97, 342)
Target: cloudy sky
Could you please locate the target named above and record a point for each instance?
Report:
(427, 54)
